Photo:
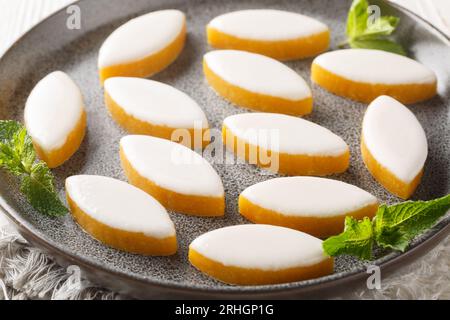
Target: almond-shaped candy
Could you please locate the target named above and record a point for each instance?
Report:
(150, 107)
(278, 34)
(259, 254)
(121, 215)
(143, 46)
(394, 146)
(285, 144)
(55, 118)
(179, 178)
(257, 82)
(365, 74)
(317, 206)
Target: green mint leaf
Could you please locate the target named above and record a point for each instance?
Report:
(378, 44)
(357, 18)
(41, 172)
(40, 192)
(356, 240)
(8, 128)
(18, 156)
(383, 26)
(9, 160)
(11, 138)
(23, 147)
(363, 34)
(397, 225)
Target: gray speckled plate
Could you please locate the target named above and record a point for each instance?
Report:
(51, 46)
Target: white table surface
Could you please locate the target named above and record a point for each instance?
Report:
(18, 16)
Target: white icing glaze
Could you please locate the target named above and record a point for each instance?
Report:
(292, 135)
(155, 102)
(257, 73)
(308, 196)
(375, 66)
(395, 138)
(141, 37)
(258, 246)
(172, 166)
(120, 205)
(53, 109)
(267, 25)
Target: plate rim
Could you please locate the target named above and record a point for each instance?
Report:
(385, 263)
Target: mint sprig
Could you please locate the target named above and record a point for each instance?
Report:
(357, 238)
(18, 157)
(397, 225)
(392, 227)
(375, 35)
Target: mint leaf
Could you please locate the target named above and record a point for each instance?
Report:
(356, 240)
(378, 44)
(383, 26)
(11, 139)
(42, 173)
(357, 18)
(9, 160)
(40, 191)
(397, 225)
(18, 156)
(7, 129)
(41, 198)
(362, 34)
(16, 144)
(393, 227)
(24, 148)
